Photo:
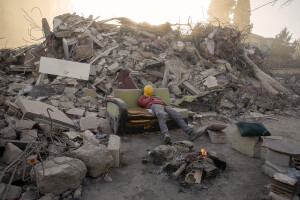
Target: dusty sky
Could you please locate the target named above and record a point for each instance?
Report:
(268, 20)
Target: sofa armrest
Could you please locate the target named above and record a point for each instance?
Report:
(116, 111)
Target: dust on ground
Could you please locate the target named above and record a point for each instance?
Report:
(242, 179)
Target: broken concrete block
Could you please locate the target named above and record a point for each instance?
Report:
(97, 159)
(67, 104)
(25, 124)
(274, 196)
(29, 135)
(93, 114)
(114, 146)
(11, 153)
(90, 92)
(76, 111)
(278, 158)
(189, 87)
(180, 46)
(48, 196)
(210, 82)
(114, 68)
(224, 103)
(71, 134)
(55, 150)
(147, 34)
(217, 137)
(271, 169)
(89, 122)
(105, 126)
(61, 174)
(94, 38)
(70, 90)
(64, 68)
(38, 110)
(55, 103)
(102, 112)
(285, 179)
(63, 34)
(8, 133)
(251, 146)
(14, 192)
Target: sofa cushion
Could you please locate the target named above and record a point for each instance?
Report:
(143, 113)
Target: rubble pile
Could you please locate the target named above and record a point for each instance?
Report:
(52, 97)
(181, 159)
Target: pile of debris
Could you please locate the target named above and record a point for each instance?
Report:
(208, 61)
(180, 158)
(52, 94)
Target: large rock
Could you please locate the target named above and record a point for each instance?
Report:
(61, 174)
(97, 159)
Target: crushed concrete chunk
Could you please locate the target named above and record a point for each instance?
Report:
(25, 124)
(114, 146)
(61, 174)
(14, 192)
(29, 135)
(89, 122)
(76, 111)
(11, 153)
(97, 159)
(8, 133)
(38, 110)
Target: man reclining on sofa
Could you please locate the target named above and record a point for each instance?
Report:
(158, 107)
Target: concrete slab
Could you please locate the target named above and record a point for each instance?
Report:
(250, 146)
(76, 111)
(114, 146)
(38, 110)
(64, 68)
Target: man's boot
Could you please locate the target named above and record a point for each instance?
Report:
(195, 134)
(167, 138)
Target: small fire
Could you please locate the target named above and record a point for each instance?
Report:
(203, 152)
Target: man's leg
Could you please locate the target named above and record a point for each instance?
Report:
(158, 110)
(178, 119)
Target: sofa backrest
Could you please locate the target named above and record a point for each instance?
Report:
(130, 96)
